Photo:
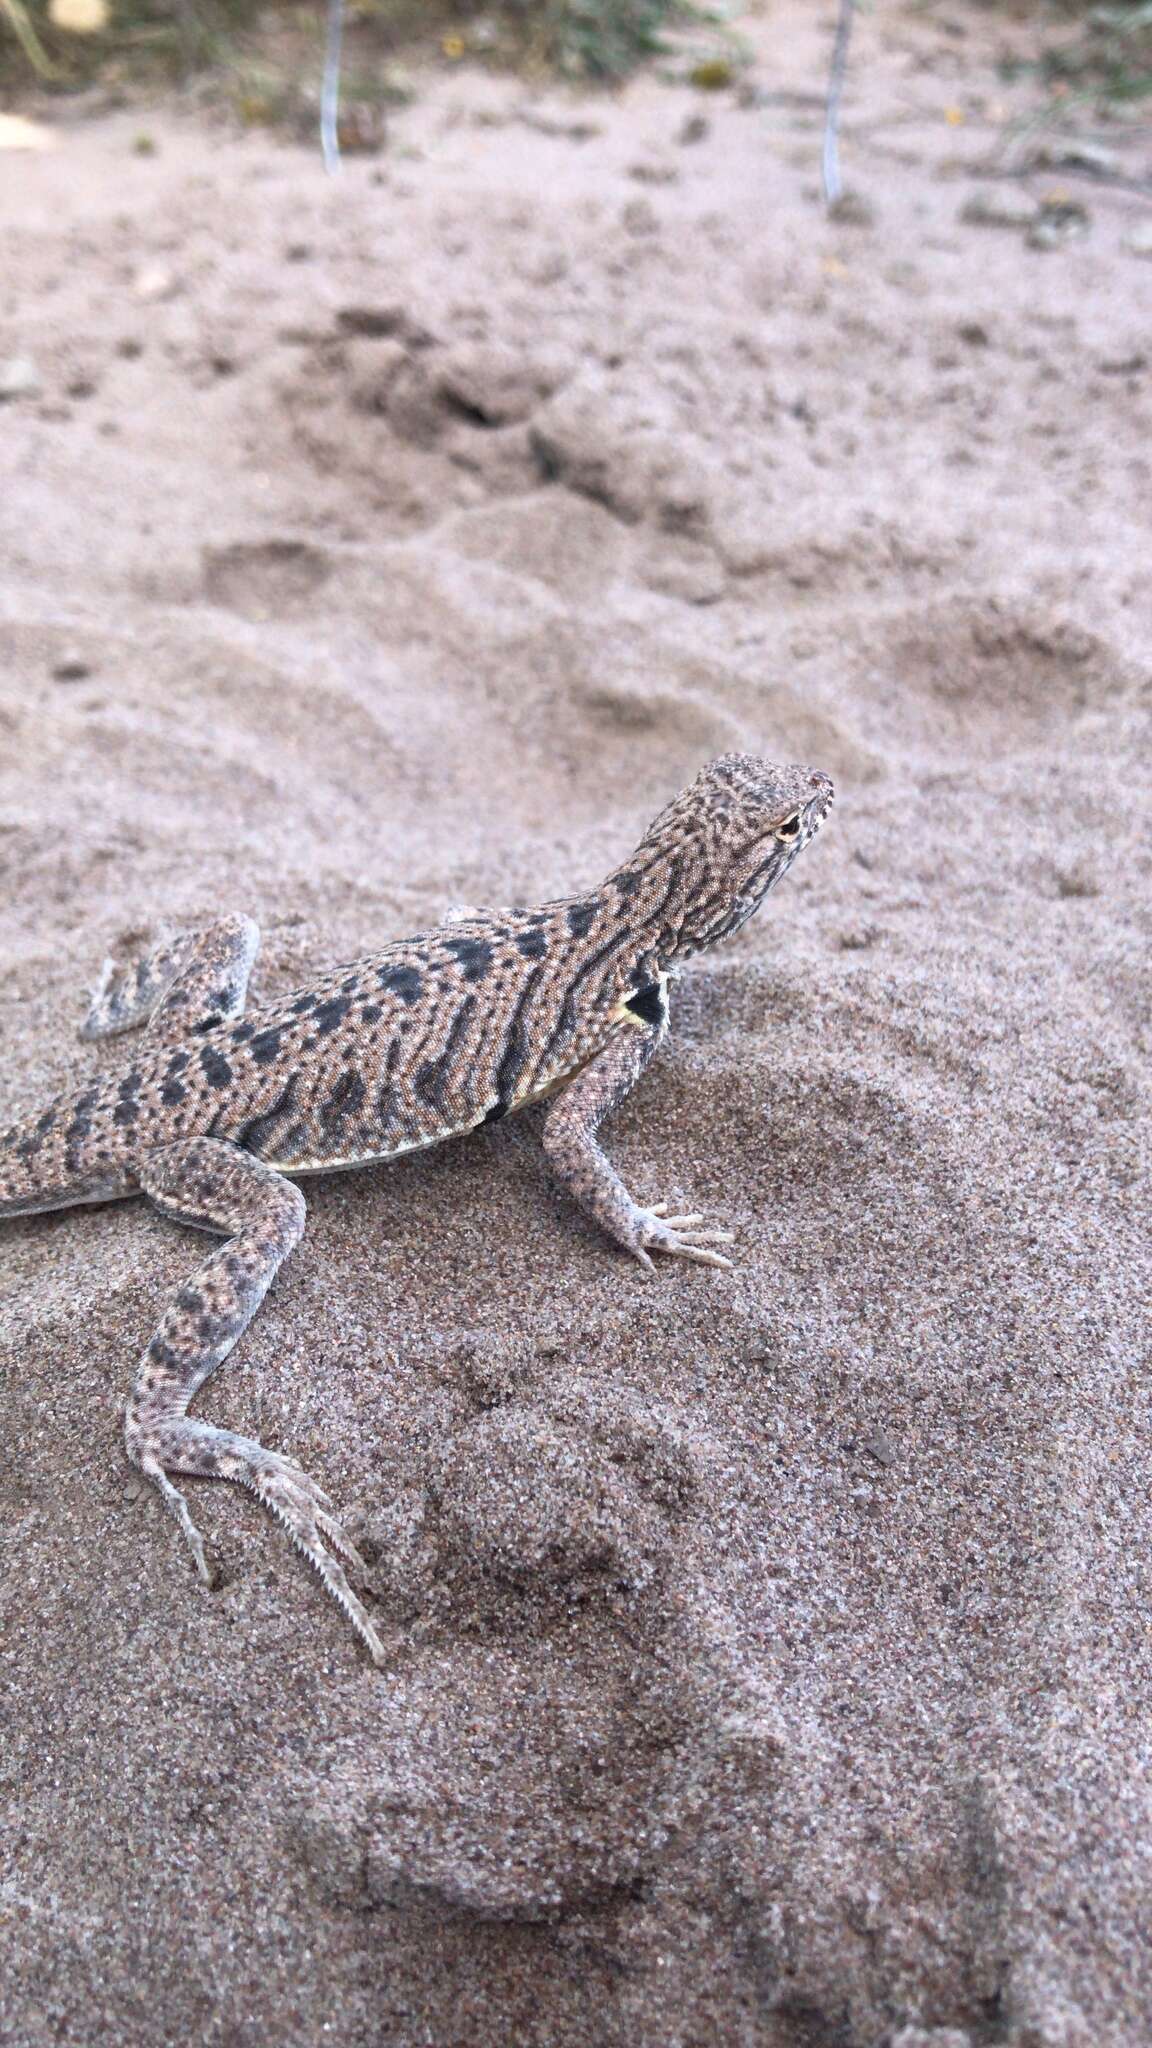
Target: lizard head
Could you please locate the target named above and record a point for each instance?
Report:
(732, 834)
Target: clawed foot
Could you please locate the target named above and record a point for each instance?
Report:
(681, 1236)
(302, 1507)
(305, 1510)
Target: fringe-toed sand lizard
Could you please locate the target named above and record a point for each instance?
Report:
(219, 1111)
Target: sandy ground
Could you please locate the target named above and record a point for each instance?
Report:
(771, 1652)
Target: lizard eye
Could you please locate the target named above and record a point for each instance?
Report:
(790, 829)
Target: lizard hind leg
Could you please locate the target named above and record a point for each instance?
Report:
(216, 1186)
(186, 982)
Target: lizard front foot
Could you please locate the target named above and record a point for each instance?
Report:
(680, 1236)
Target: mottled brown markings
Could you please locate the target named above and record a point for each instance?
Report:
(516, 1044)
(385, 1095)
(566, 1027)
(79, 1127)
(580, 918)
(434, 1077)
(371, 1013)
(532, 942)
(346, 1098)
(264, 1046)
(258, 1130)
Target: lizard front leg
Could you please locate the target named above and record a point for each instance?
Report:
(574, 1152)
(216, 1186)
(183, 984)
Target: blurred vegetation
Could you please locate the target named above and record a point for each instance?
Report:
(1108, 61)
(71, 43)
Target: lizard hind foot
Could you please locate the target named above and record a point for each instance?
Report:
(304, 1510)
(176, 1502)
(301, 1507)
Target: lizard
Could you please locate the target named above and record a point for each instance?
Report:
(222, 1110)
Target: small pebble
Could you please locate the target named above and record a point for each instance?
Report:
(155, 281)
(71, 667)
(879, 1446)
(19, 378)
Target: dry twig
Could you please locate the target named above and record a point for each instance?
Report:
(330, 89)
(833, 189)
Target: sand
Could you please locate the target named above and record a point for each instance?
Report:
(769, 1652)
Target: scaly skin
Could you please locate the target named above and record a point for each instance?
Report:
(220, 1109)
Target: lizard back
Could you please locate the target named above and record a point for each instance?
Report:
(420, 1042)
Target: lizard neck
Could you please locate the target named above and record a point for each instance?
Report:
(650, 893)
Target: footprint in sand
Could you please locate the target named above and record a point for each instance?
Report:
(261, 579)
(982, 676)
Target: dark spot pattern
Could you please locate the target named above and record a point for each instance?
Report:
(581, 918)
(474, 956)
(398, 980)
(532, 942)
(330, 1014)
(80, 1126)
(216, 1069)
(265, 1046)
